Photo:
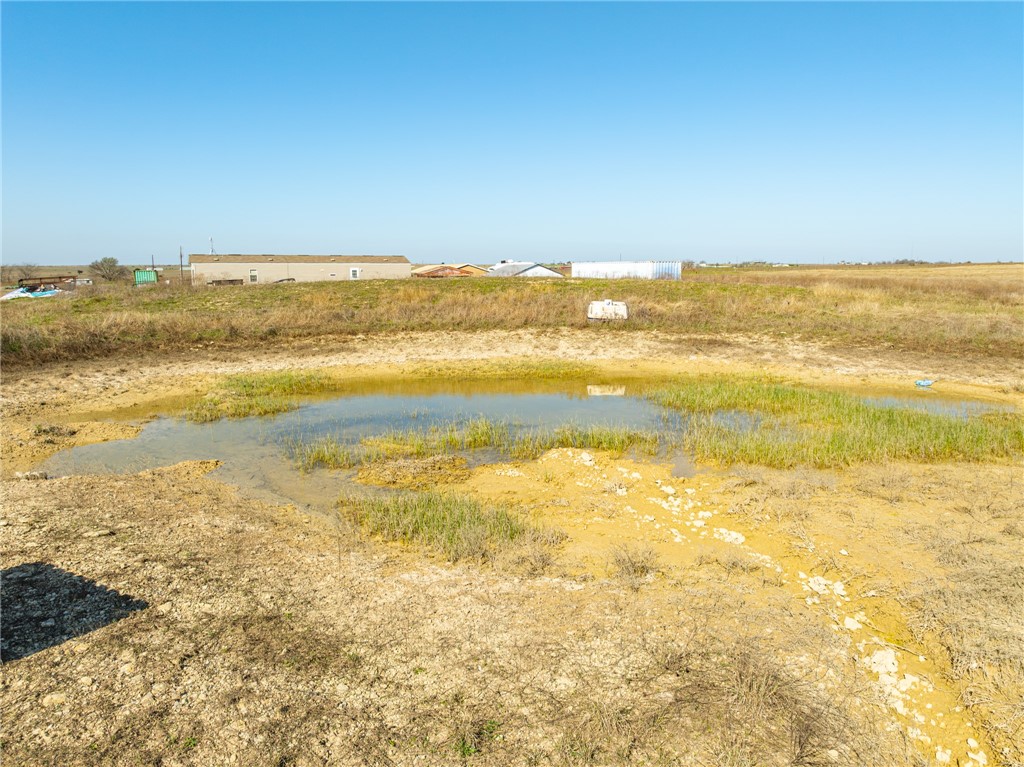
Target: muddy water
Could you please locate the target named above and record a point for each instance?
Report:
(254, 458)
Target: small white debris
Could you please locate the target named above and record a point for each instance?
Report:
(908, 681)
(819, 585)
(852, 624)
(729, 536)
(31, 475)
(972, 743)
(844, 552)
(882, 661)
(978, 756)
(943, 755)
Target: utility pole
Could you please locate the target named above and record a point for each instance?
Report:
(181, 266)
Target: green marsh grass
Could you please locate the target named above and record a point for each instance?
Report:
(457, 527)
(476, 434)
(804, 426)
(279, 384)
(327, 452)
(242, 396)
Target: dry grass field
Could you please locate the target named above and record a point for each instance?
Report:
(970, 311)
(840, 586)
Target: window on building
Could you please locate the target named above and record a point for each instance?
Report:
(253, 277)
(353, 273)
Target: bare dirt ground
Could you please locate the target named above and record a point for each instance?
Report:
(865, 617)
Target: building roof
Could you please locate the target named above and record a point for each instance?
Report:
(235, 258)
(463, 267)
(516, 269)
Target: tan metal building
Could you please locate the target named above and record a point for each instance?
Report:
(261, 269)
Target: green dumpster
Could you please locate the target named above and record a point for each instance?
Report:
(145, 277)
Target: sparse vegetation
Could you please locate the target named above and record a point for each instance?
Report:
(634, 564)
(976, 608)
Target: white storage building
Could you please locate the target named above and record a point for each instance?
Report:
(628, 270)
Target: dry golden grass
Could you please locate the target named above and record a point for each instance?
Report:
(957, 310)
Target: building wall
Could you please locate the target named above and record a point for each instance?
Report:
(300, 272)
(643, 270)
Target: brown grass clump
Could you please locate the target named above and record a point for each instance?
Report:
(634, 564)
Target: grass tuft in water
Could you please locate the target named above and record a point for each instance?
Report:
(802, 426)
(326, 452)
(455, 526)
(479, 433)
(242, 396)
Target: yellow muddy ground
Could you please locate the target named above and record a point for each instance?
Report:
(828, 565)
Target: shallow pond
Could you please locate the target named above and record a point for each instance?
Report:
(254, 454)
(255, 457)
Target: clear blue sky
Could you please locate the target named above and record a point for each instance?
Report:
(446, 132)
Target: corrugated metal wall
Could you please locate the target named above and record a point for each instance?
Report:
(640, 270)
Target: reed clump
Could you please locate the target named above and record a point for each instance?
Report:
(457, 527)
(769, 423)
